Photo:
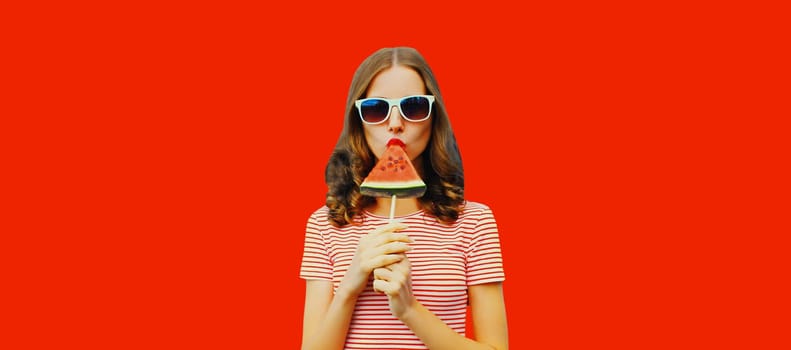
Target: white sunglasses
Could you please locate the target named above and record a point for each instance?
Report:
(375, 110)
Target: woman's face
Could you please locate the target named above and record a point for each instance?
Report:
(397, 82)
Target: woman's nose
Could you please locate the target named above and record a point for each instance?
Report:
(395, 122)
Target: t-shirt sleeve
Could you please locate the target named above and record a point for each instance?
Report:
(315, 258)
(484, 258)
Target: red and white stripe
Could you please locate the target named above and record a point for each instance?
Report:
(445, 260)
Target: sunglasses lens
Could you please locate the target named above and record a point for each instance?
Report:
(415, 108)
(374, 111)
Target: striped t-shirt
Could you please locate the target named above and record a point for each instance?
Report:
(445, 259)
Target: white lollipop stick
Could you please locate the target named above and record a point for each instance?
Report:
(392, 208)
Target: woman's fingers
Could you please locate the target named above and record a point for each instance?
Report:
(386, 287)
(388, 238)
(382, 246)
(380, 286)
(389, 228)
(398, 237)
(402, 267)
(393, 248)
(385, 234)
(384, 260)
(381, 277)
(388, 254)
(390, 281)
(382, 273)
(384, 255)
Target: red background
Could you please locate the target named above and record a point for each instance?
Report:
(162, 160)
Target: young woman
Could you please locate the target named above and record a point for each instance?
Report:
(376, 284)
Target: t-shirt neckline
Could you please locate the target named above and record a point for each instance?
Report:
(377, 216)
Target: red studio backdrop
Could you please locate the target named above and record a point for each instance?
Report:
(163, 160)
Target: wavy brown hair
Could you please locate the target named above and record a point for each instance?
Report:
(350, 162)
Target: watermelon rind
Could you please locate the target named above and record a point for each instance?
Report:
(390, 190)
(388, 184)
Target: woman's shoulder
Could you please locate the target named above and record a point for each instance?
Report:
(322, 210)
(475, 211)
(320, 213)
(475, 207)
(320, 216)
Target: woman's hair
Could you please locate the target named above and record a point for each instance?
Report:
(351, 160)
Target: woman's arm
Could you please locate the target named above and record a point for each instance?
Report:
(326, 318)
(486, 302)
(488, 313)
(327, 315)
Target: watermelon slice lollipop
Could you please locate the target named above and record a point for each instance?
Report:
(393, 176)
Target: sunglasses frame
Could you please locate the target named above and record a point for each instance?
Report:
(393, 102)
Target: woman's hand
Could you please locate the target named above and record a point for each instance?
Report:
(381, 247)
(395, 280)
